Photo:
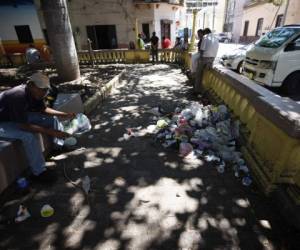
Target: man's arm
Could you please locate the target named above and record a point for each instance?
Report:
(203, 46)
(53, 112)
(201, 52)
(47, 131)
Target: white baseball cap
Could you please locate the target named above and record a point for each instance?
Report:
(40, 80)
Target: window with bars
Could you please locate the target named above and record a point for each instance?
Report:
(24, 34)
(259, 26)
(279, 20)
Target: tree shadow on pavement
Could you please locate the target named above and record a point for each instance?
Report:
(142, 195)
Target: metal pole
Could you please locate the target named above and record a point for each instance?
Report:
(90, 52)
(191, 48)
(285, 12)
(136, 29)
(214, 14)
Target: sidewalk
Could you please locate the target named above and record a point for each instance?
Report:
(143, 196)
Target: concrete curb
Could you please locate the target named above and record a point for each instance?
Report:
(91, 103)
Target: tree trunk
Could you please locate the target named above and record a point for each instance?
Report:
(61, 39)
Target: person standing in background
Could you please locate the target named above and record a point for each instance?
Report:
(32, 54)
(196, 56)
(177, 44)
(154, 47)
(140, 42)
(166, 43)
(208, 52)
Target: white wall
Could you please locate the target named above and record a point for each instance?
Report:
(22, 15)
(266, 11)
(168, 12)
(122, 14)
(238, 18)
(93, 12)
(145, 14)
(205, 17)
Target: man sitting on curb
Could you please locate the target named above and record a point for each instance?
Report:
(23, 114)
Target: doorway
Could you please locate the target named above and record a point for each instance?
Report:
(146, 31)
(165, 29)
(102, 36)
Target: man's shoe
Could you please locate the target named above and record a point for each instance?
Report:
(45, 177)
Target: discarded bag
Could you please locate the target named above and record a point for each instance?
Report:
(79, 125)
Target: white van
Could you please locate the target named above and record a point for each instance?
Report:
(275, 59)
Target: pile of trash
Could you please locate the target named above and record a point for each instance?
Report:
(206, 132)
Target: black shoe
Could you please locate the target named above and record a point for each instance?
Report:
(45, 177)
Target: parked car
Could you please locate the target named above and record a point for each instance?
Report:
(234, 59)
(274, 60)
(223, 37)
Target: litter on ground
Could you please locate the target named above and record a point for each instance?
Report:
(204, 131)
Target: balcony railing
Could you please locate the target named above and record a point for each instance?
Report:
(176, 2)
(250, 3)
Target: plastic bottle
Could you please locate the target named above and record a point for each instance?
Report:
(86, 184)
(221, 167)
(22, 214)
(22, 183)
(236, 171)
(247, 181)
(47, 211)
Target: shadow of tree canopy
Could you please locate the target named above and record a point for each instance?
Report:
(142, 195)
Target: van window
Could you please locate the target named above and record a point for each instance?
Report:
(277, 37)
(297, 43)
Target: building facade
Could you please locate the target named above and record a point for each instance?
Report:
(233, 18)
(111, 24)
(210, 14)
(260, 16)
(108, 24)
(19, 26)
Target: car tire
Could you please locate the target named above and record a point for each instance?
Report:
(291, 85)
(240, 67)
(226, 41)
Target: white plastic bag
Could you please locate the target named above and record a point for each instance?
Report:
(79, 125)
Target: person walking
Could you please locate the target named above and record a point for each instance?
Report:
(208, 51)
(154, 47)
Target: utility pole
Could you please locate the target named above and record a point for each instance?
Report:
(285, 12)
(61, 39)
(214, 16)
(192, 44)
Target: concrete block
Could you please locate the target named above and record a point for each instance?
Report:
(12, 161)
(69, 103)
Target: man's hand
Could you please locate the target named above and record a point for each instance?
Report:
(59, 134)
(64, 115)
(47, 131)
(69, 116)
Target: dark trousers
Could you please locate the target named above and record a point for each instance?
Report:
(154, 53)
(202, 64)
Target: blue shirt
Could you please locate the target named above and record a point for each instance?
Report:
(15, 104)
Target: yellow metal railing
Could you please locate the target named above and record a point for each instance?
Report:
(10, 60)
(272, 143)
(112, 56)
(130, 56)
